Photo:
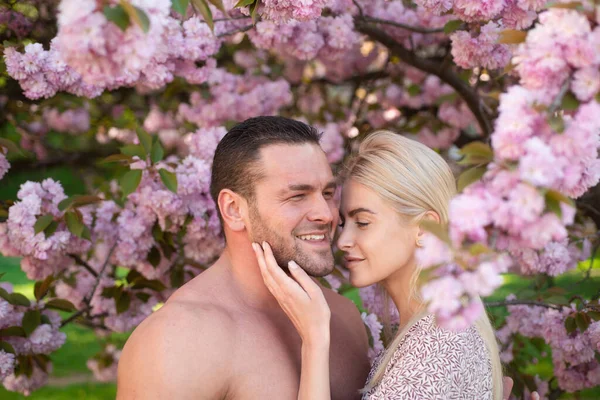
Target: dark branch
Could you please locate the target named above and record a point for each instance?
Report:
(447, 75)
(521, 303)
(242, 29)
(74, 316)
(84, 264)
(411, 28)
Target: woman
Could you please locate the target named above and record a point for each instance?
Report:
(390, 186)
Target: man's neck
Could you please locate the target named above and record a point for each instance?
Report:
(239, 265)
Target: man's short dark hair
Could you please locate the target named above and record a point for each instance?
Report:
(234, 163)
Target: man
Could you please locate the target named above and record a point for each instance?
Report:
(222, 335)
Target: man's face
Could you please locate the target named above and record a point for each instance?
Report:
(294, 207)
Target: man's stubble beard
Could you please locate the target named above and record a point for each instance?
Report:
(284, 253)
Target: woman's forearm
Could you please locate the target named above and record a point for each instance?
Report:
(314, 378)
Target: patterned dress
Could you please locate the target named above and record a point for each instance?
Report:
(431, 363)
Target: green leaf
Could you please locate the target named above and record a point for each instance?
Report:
(177, 277)
(204, 9)
(254, 12)
(117, 15)
(84, 200)
(595, 315)
(157, 153)
(4, 294)
(569, 102)
(244, 3)
(61, 304)
(74, 223)
(470, 176)
(414, 90)
(63, 205)
(570, 324)
(145, 140)
(130, 181)
(17, 299)
(439, 230)
(13, 331)
(7, 347)
(122, 302)
(42, 361)
(219, 5)
(132, 275)
(558, 299)
(121, 158)
(180, 6)
(478, 149)
(583, 321)
(9, 145)
(134, 150)
(86, 234)
(40, 288)
(153, 284)
(143, 296)
(49, 231)
(42, 223)
(31, 320)
(558, 196)
(154, 256)
(169, 179)
(452, 26)
(557, 123)
(137, 15)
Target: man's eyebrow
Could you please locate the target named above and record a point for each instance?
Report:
(360, 209)
(308, 188)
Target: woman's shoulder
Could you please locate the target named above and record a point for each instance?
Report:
(427, 336)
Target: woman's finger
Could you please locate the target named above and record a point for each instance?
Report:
(271, 284)
(304, 280)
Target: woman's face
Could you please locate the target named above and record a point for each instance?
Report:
(377, 243)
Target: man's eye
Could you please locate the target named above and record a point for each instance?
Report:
(328, 195)
(297, 197)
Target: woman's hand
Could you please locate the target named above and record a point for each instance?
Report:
(300, 298)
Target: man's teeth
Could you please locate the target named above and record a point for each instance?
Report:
(312, 237)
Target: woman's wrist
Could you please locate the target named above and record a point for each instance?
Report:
(317, 342)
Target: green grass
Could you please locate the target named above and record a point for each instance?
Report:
(79, 391)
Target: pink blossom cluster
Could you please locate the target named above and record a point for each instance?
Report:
(567, 162)
(70, 121)
(235, 98)
(284, 10)
(91, 53)
(16, 22)
(43, 73)
(374, 328)
(43, 255)
(45, 339)
(561, 43)
(481, 51)
(332, 141)
(101, 372)
(399, 12)
(572, 354)
(327, 37)
(478, 11)
(453, 294)
(375, 301)
(4, 164)
(554, 259)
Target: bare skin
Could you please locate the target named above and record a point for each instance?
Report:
(223, 335)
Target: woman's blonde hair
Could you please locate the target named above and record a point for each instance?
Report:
(414, 180)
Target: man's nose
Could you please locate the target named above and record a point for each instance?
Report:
(321, 211)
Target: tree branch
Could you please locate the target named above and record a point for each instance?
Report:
(85, 265)
(447, 75)
(242, 29)
(411, 28)
(521, 303)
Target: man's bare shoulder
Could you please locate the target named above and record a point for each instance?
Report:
(178, 349)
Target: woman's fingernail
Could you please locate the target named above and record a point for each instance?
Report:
(293, 265)
(264, 245)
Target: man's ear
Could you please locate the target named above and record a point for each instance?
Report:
(233, 208)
